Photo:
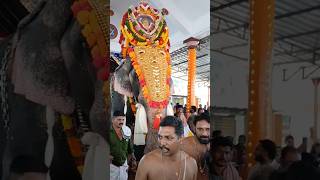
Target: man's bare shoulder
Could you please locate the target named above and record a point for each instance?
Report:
(188, 140)
(192, 164)
(190, 159)
(151, 156)
(147, 164)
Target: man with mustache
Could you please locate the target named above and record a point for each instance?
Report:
(197, 146)
(121, 148)
(168, 162)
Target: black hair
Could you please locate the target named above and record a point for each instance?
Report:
(201, 117)
(25, 163)
(219, 141)
(216, 133)
(309, 159)
(199, 109)
(118, 113)
(270, 147)
(289, 137)
(193, 109)
(242, 136)
(300, 171)
(304, 139)
(314, 146)
(173, 122)
(230, 138)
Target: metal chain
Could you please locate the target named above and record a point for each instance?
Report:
(4, 91)
(84, 125)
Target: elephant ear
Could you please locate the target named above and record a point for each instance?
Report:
(81, 73)
(171, 86)
(38, 69)
(134, 82)
(122, 83)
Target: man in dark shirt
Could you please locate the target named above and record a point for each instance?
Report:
(121, 148)
(220, 167)
(240, 155)
(289, 155)
(265, 154)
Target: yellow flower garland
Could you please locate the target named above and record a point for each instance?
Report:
(141, 78)
(132, 36)
(92, 16)
(73, 142)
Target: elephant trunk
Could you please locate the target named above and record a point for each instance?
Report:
(151, 141)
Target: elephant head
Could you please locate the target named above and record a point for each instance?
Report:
(146, 70)
(51, 67)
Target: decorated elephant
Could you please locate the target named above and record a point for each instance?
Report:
(145, 72)
(54, 85)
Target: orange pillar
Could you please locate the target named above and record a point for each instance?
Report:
(261, 43)
(192, 55)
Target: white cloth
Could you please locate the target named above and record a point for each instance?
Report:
(125, 109)
(126, 131)
(119, 173)
(50, 117)
(261, 172)
(186, 131)
(170, 110)
(141, 126)
(95, 165)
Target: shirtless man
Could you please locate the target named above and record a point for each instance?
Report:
(168, 162)
(197, 146)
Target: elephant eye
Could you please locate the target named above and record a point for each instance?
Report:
(162, 53)
(141, 51)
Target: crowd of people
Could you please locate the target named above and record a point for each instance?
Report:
(201, 155)
(188, 151)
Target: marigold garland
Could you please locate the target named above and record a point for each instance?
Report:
(191, 77)
(93, 18)
(135, 63)
(75, 145)
(135, 33)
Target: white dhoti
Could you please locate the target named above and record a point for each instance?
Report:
(119, 173)
(96, 161)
